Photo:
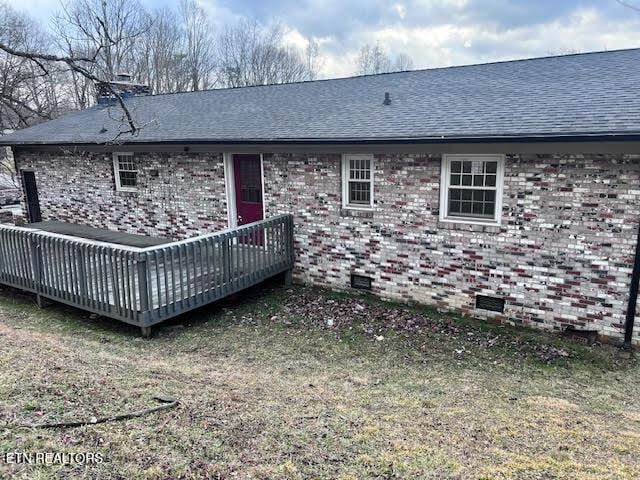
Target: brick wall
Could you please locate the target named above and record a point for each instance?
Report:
(563, 255)
(186, 198)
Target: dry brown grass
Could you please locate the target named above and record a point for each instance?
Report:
(266, 394)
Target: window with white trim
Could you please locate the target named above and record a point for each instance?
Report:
(471, 188)
(125, 172)
(357, 181)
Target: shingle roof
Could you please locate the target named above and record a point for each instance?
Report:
(574, 95)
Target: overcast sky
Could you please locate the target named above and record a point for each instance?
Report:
(433, 32)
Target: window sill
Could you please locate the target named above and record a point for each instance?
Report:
(469, 226)
(127, 191)
(356, 212)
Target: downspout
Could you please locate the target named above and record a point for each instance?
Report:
(633, 297)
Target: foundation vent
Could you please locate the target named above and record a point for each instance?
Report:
(360, 282)
(493, 304)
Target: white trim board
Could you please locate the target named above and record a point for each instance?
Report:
(230, 186)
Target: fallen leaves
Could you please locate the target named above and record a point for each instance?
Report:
(373, 318)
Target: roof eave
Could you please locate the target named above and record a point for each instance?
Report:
(529, 138)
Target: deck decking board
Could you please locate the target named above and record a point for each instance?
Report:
(99, 234)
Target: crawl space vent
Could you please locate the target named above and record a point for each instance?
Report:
(493, 304)
(360, 282)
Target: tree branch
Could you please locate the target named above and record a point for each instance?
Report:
(43, 56)
(73, 64)
(8, 100)
(629, 5)
(167, 402)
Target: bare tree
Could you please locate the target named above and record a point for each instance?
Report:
(402, 63)
(107, 29)
(375, 59)
(563, 51)
(170, 50)
(250, 54)
(87, 66)
(79, 89)
(372, 60)
(160, 54)
(313, 59)
(198, 44)
(27, 93)
(8, 174)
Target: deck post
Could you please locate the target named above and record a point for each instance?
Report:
(288, 277)
(36, 264)
(43, 302)
(291, 240)
(143, 289)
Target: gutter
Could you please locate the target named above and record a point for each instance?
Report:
(633, 298)
(534, 138)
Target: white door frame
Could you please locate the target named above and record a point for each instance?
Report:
(230, 186)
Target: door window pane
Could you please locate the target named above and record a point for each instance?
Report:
(250, 180)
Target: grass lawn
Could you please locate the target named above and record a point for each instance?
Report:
(304, 383)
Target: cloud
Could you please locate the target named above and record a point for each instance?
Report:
(433, 32)
(465, 38)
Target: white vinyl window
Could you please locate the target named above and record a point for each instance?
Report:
(471, 189)
(125, 172)
(357, 181)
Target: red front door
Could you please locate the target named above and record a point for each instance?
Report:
(248, 180)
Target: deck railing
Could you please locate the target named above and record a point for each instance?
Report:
(144, 286)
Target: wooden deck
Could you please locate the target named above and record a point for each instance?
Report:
(99, 234)
(144, 286)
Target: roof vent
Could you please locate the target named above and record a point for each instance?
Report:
(387, 98)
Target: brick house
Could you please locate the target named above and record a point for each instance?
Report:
(504, 191)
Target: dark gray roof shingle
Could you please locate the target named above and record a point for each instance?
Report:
(573, 95)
